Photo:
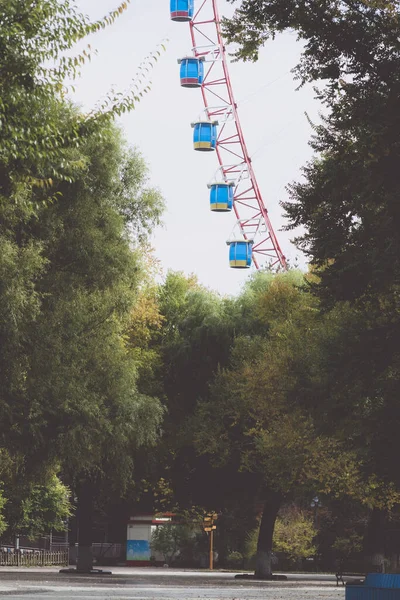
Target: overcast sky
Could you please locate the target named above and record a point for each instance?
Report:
(272, 115)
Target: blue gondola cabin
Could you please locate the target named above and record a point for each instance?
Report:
(221, 196)
(192, 71)
(182, 10)
(205, 135)
(240, 254)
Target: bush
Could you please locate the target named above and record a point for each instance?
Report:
(235, 560)
(345, 546)
(3, 524)
(293, 536)
(169, 539)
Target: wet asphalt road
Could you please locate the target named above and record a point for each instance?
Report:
(141, 584)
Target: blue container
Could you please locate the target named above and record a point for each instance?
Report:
(362, 592)
(221, 196)
(377, 586)
(192, 71)
(182, 10)
(205, 135)
(383, 580)
(240, 254)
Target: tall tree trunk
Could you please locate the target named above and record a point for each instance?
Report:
(375, 540)
(264, 546)
(85, 526)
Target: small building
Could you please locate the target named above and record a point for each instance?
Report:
(138, 539)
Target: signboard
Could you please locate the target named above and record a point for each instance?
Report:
(138, 550)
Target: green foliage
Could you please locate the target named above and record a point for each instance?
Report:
(195, 341)
(347, 202)
(36, 499)
(143, 337)
(361, 379)
(39, 131)
(259, 411)
(234, 560)
(294, 535)
(47, 507)
(3, 522)
(357, 38)
(347, 205)
(69, 282)
(264, 393)
(91, 391)
(76, 211)
(265, 399)
(345, 546)
(268, 414)
(251, 543)
(269, 395)
(169, 539)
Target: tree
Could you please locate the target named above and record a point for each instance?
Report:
(144, 335)
(294, 535)
(30, 506)
(362, 383)
(265, 421)
(182, 337)
(357, 39)
(68, 273)
(169, 539)
(69, 394)
(82, 282)
(347, 205)
(39, 131)
(43, 508)
(262, 419)
(195, 340)
(259, 419)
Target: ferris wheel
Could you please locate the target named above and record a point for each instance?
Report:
(234, 186)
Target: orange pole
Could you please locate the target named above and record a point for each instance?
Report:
(211, 550)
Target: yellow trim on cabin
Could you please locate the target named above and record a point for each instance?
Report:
(219, 206)
(239, 264)
(198, 145)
